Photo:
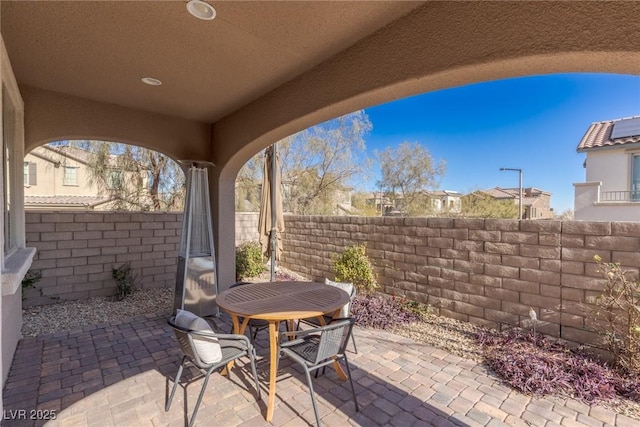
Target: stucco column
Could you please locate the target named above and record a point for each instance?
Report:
(224, 227)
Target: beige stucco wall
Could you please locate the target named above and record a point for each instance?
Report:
(15, 263)
(612, 167)
(607, 170)
(50, 178)
(51, 116)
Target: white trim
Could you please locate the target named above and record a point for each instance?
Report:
(16, 266)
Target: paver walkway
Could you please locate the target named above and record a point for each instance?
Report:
(119, 374)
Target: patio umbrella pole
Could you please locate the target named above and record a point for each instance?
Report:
(274, 232)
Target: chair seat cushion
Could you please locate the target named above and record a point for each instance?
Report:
(208, 348)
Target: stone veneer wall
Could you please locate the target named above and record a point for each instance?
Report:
(484, 271)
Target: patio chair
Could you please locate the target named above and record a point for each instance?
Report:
(345, 311)
(207, 351)
(318, 347)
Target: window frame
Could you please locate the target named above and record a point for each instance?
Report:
(634, 185)
(16, 261)
(30, 174)
(65, 180)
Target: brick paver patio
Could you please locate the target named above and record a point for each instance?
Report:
(119, 374)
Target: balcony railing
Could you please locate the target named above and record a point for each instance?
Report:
(620, 196)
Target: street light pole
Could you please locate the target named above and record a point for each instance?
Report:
(520, 188)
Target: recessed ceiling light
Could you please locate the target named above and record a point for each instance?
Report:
(151, 81)
(201, 10)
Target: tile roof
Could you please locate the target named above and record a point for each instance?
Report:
(446, 193)
(514, 193)
(599, 136)
(501, 193)
(71, 201)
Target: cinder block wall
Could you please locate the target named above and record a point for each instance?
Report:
(78, 250)
(484, 271)
(247, 227)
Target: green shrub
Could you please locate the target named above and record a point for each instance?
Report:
(249, 261)
(618, 314)
(30, 279)
(125, 280)
(353, 265)
(419, 309)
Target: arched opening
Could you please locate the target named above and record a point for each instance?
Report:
(102, 176)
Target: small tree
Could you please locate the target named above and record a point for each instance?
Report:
(618, 310)
(481, 205)
(407, 172)
(353, 265)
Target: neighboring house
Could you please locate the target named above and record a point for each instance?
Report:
(343, 206)
(536, 203)
(381, 202)
(442, 201)
(446, 201)
(611, 191)
(57, 177)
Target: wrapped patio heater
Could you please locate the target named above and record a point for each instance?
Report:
(196, 278)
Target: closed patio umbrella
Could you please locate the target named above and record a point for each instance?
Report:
(271, 222)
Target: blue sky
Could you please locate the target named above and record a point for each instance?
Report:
(533, 123)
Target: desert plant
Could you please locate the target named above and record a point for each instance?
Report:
(419, 309)
(249, 261)
(125, 280)
(617, 312)
(353, 265)
(30, 279)
(379, 311)
(534, 364)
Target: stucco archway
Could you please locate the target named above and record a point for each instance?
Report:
(430, 46)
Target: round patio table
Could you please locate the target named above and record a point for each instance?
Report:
(276, 302)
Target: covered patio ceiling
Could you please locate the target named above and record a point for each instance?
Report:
(209, 69)
(262, 70)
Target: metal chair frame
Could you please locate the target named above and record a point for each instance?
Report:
(328, 319)
(233, 347)
(319, 347)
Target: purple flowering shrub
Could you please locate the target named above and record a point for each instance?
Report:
(536, 365)
(381, 311)
(282, 276)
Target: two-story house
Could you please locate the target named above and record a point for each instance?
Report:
(536, 203)
(446, 201)
(58, 178)
(611, 191)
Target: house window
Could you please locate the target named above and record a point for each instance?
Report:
(115, 180)
(70, 176)
(30, 173)
(8, 202)
(635, 178)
